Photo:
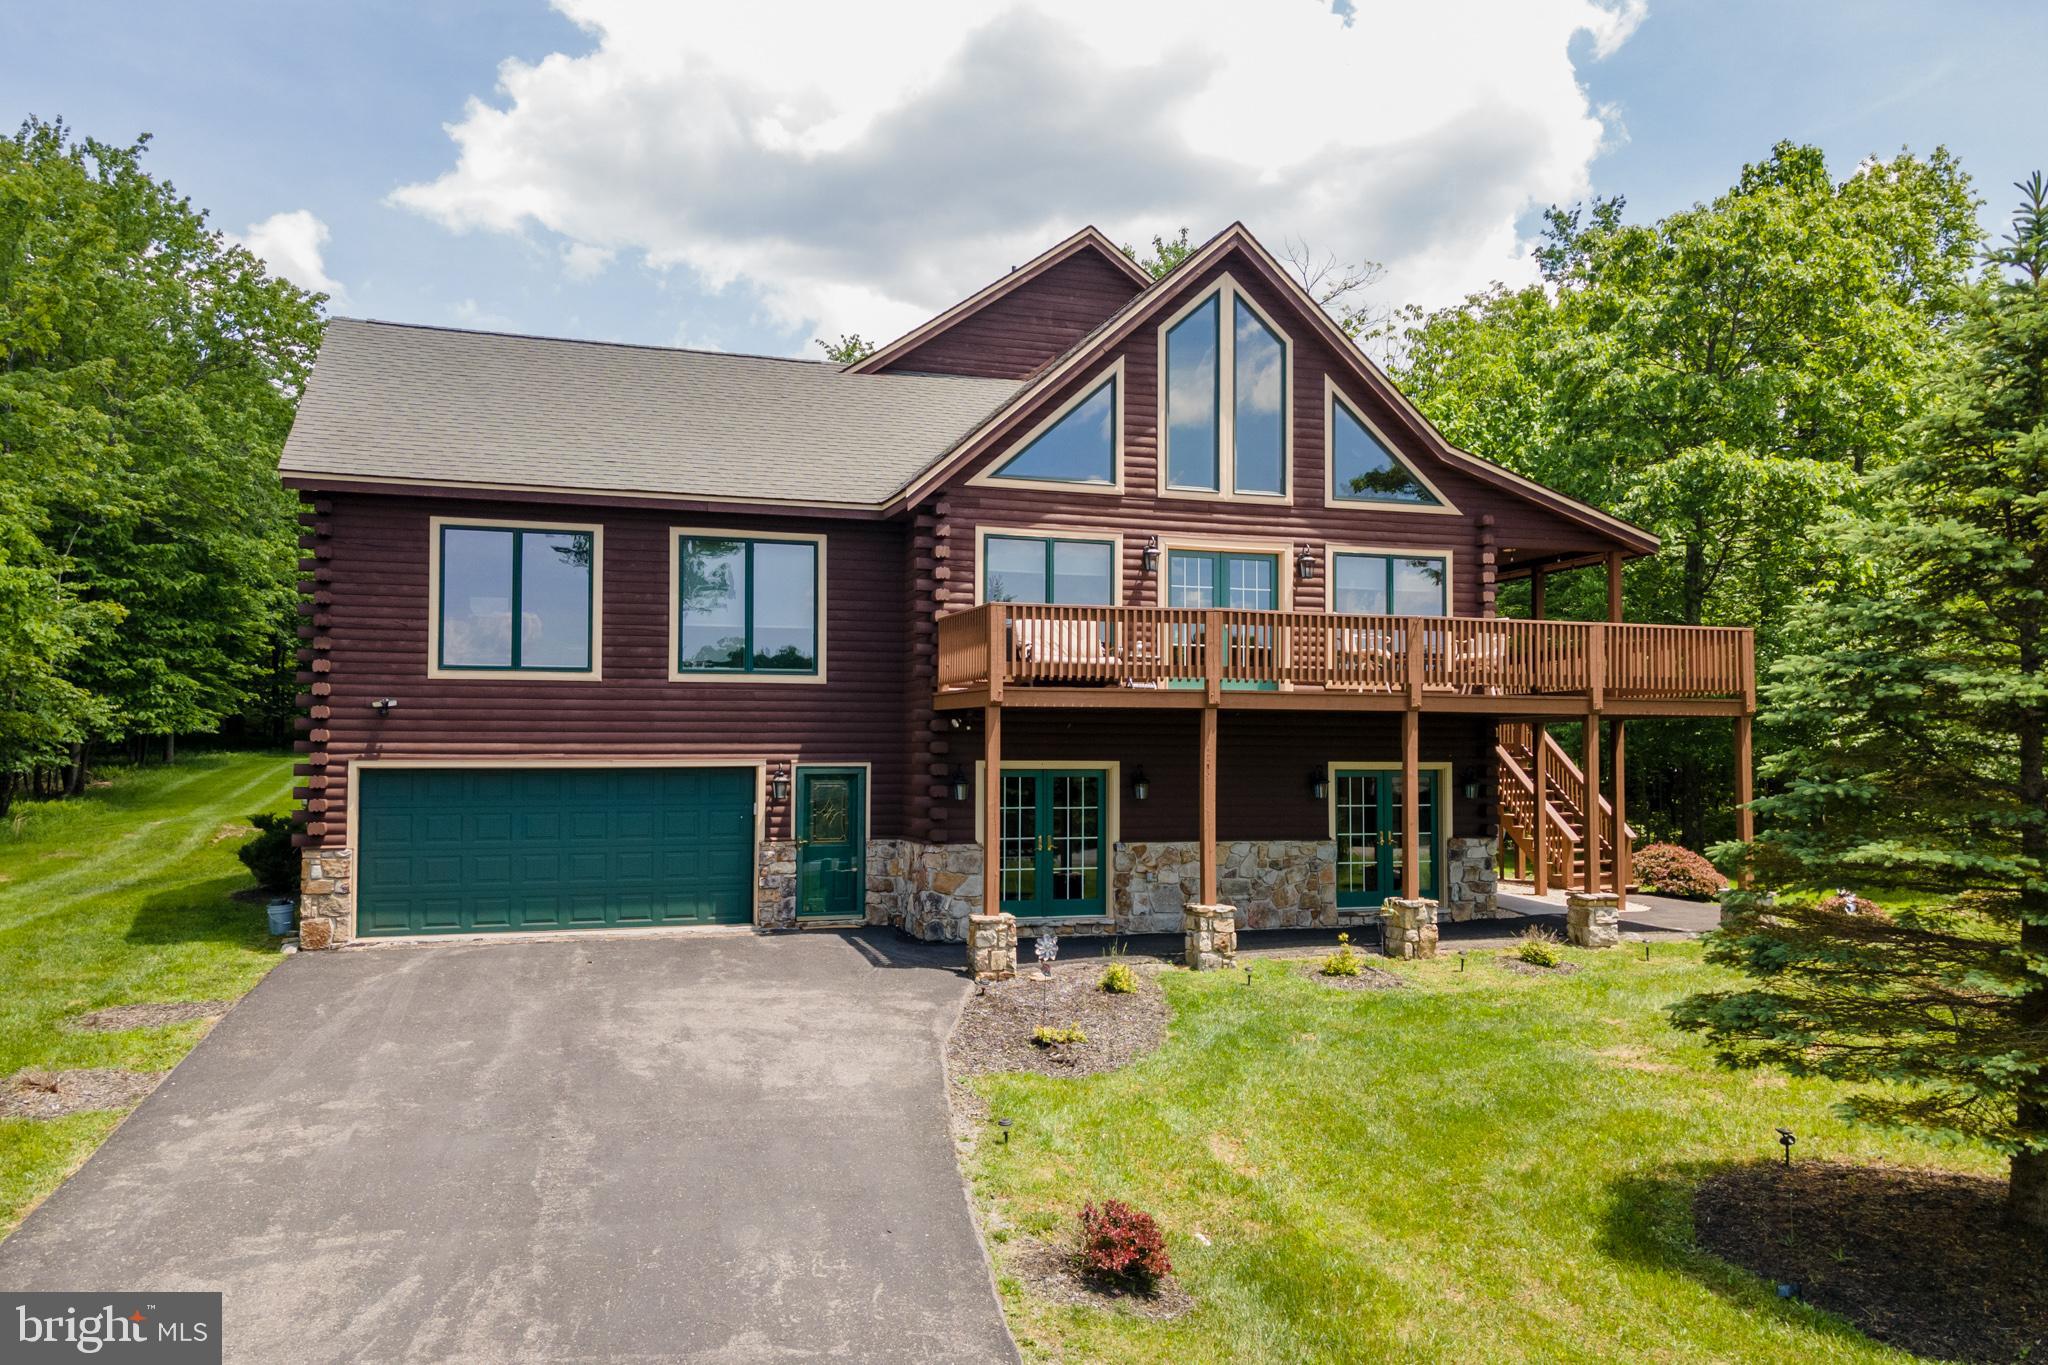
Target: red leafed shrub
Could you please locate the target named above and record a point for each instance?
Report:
(1122, 1243)
(1675, 871)
(1848, 903)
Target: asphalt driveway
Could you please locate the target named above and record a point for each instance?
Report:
(716, 1147)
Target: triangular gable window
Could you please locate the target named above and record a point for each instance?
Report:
(1079, 447)
(1364, 470)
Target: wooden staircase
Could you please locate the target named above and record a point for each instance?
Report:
(1563, 808)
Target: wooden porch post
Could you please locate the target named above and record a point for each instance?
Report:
(1614, 586)
(1623, 854)
(1745, 821)
(1541, 777)
(992, 810)
(1592, 767)
(1411, 806)
(1208, 805)
(1536, 577)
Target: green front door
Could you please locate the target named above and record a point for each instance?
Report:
(1369, 835)
(1053, 841)
(831, 843)
(463, 850)
(1228, 578)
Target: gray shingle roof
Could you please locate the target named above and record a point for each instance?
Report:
(437, 405)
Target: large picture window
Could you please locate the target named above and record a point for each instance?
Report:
(1048, 569)
(1362, 469)
(748, 606)
(1078, 447)
(515, 598)
(1390, 585)
(1225, 389)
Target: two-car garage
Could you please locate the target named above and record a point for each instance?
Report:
(478, 849)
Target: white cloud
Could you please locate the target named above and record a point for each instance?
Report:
(292, 245)
(582, 261)
(860, 175)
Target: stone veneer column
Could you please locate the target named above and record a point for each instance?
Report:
(1211, 936)
(327, 898)
(1592, 919)
(775, 893)
(1408, 928)
(992, 947)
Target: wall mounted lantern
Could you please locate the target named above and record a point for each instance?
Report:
(1319, 784)
(778, 785)
(1141, 786)
(1305, 563)
(1470, 783)
(958, 779)
(383, 706)
(1152, 555)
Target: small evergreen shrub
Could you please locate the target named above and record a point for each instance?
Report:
(1343, 962)
(1538, 948)
(1045, 1035)
(1673, 871)
(270, 855)
(1119, 979)
(1124, 1244)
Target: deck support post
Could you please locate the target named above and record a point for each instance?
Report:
(1745, 820)
(1623, 854)
(1591, 879)
(1411, 805)
(992, 810)
(1540, 762)
(1536, 581)
(1208, 805)
(1614, 586)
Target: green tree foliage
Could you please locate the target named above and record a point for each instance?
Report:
(1720, 376)
(148, 371)
(1167, 252)
(850, 347)
(1913, 738)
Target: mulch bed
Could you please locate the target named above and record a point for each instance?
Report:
(1922, 1260)
(161, 1014)
(994, 1033)
(1521, 968)
(33, 1094)
(1369, 978)
(1050, 1272)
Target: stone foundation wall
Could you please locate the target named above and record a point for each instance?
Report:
(327, 898)
(775, 885)
(1274, 883)
(1471, 879)
(944, 888)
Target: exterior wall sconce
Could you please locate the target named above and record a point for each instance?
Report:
(958, 779)
(1141, 786)
(383, 705)
(1305, 563)
(1470, 785)
(1152, 556)
(1319, 785)
(778, 785)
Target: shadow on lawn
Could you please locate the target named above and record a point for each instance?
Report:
(201, 912)
(1648, 1222)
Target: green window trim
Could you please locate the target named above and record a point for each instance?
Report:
(749, 663)
(516, 597)
(1387, 561)
(1051, 579)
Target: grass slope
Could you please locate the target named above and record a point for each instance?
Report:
(1488, 1167)
(117, 898)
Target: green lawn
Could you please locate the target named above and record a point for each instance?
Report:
(1485, 1167)
(121, 897)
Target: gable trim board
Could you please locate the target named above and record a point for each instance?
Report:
(1088, 238)
(1120, 327)
(991, 477)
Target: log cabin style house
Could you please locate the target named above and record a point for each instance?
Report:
(1128, 595)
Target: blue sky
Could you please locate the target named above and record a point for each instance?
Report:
(691, 177)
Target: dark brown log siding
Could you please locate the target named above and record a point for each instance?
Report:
(1021, 332)
(377, 576)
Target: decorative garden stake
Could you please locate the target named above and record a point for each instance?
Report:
(1048, 949)
(1461, 959)
(1785, 1140)
(1247, 976)
(1004, 1124)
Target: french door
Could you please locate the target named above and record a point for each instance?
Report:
(1053, 841)
(1227, 578)
(1369, 850)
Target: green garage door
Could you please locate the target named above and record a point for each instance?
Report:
(457, 850)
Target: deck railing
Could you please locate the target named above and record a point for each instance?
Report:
(1163, 647)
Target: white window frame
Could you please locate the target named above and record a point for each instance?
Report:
(988, 477)
(675, 608)
(1227, 291)
(1333, 395)
(595, 530)
(1443, 552)
(1113, 539)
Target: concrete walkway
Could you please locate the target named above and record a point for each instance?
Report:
(682, 1148)
(1644, 915)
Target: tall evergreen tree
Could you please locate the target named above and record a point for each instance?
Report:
(1915, 737)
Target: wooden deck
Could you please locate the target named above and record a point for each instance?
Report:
(1017, 654)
